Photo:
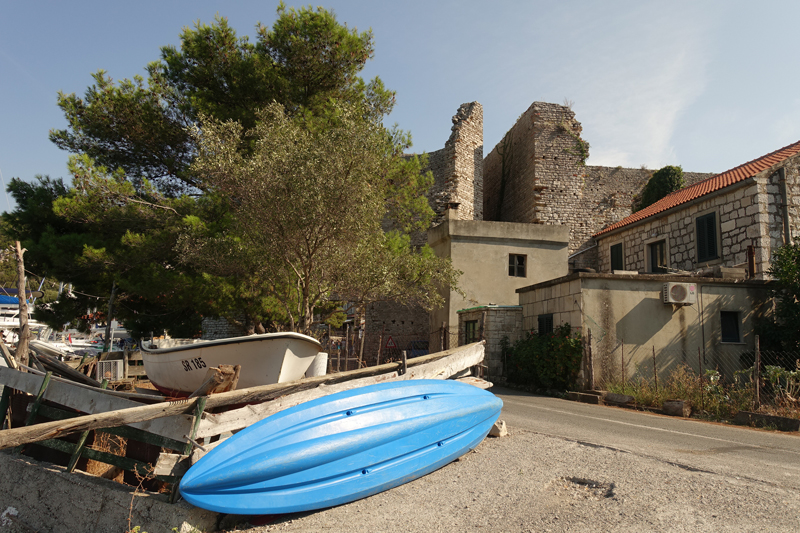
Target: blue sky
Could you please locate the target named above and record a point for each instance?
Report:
(706, 85)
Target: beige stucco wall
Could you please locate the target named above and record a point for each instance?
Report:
(480, 250)
(627, 314)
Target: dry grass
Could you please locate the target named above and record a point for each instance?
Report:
(104, 442)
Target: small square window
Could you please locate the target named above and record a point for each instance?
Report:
(470, 331)
(616, 257)
(729, 321)
(516, 265)
(545, 324)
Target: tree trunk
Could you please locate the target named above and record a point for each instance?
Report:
(24, 329)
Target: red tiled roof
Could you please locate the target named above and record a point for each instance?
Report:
(707, 186)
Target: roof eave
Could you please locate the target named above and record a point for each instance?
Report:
(679, 207)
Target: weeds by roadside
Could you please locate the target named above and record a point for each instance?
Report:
(714, 398)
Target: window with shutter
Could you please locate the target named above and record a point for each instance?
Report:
(658, 257)
(545, 324)
(616, 257)
(707, 237)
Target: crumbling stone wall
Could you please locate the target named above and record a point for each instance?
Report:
(220, 328)
(403, 324)
(458, 167)
(536, 174)
(458, 185)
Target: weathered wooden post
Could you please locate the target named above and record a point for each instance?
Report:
(380, 345)
(346, 347)
(125, 355)
(24, 329)
(107, 342)
(363, 332)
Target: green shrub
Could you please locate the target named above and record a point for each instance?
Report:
(550, 361)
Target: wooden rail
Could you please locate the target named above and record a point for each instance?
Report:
(149, 414)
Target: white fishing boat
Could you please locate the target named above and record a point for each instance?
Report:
(179, 367)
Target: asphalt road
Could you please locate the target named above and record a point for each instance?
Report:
(767, 456)
(568, 467)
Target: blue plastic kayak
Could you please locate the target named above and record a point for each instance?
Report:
(342, 447)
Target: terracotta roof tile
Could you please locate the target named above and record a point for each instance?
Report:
(707, 186)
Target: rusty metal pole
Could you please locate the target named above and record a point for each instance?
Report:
(655, 369)
(757, 373)
(700, 372)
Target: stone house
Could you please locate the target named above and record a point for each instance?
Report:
(734, 219)
(711, 241)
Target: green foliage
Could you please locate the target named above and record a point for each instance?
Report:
(139, 199)
(308, 214)
(663, 182)
(305, 61)
(782, 332)
(546, 361)
(709, 396)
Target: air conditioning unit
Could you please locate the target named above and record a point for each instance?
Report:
(110, 370)
(680, 293)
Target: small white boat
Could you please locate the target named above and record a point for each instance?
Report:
(178, 367)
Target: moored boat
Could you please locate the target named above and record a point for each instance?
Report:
(342, 447)
(178, 369)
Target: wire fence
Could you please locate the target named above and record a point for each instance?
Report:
(728, 378)
(352, 350)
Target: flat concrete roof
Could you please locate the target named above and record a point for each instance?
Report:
(648, 277)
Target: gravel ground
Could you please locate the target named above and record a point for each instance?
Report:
(531, 482)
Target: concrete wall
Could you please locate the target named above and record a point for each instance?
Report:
(481, 249)
(627, 316)
(495, 323)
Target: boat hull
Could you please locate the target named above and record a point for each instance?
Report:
(265, 359)
(342, 447)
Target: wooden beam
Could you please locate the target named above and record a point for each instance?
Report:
(174, 464)
(147, 413)
(92, 400)
(73, 460)
(35, 406)
(443, 368)
(11, 361)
